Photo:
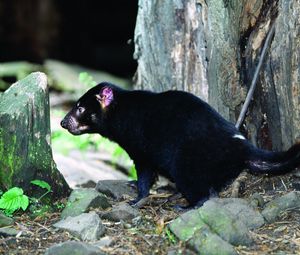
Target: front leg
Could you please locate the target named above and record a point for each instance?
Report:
(146, 178)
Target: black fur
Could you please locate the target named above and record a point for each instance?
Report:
(174, 134)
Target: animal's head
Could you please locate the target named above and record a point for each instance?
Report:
(88, 114)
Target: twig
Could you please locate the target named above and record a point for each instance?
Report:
(145, 239)
(44, 195)
(255, 77)
(42, 226)
(142, 202)
(236, 183)
(285, 187)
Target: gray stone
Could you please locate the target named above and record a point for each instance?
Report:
(216, 219)
(74, 248)
(116, 189)
(185, 226)
(8, 231)
(241, 210)
(189, 227)
(104, 241)
(177, 251)
(86, 226)
(5, 221)
(225, 224)
(81, 200)
(273, 209)
(206, 242)
(121, 212)
(256, 200)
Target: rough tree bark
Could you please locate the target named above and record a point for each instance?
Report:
(211, 48)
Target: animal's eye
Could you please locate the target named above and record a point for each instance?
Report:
(80, 109)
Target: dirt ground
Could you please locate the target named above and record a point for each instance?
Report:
(149, 236)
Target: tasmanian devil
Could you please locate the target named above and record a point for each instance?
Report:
(174, 134)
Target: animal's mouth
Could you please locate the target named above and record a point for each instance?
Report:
(78, 131)
(74, 131)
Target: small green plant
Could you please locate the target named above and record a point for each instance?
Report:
(170, 236)
(60, 205)
(43, 185)
(13, 200)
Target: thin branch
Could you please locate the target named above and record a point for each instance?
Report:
(255, 77)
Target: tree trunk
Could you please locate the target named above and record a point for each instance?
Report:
(211, 48)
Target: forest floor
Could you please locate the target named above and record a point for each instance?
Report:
(151, 237)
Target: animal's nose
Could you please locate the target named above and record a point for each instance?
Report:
(63, 123)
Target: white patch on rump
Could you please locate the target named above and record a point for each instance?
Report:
(239, 137)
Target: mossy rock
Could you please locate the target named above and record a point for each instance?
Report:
(25, 151)
(225, 224)
(82, 200)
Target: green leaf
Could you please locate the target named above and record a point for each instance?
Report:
(12, 193)
(24, 202)
(13, 199)
(41, 184)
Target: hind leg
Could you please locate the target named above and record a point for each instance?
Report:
(196, 192)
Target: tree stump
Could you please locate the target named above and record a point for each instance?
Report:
(25, 146)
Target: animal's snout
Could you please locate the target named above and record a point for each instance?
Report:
(64, 123)
(70, 124)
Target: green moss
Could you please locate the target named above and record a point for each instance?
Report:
(187, 224)
(206, 242)
(7, 159)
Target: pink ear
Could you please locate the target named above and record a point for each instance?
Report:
(105, 96)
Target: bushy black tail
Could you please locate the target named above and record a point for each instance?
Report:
(275, 163)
